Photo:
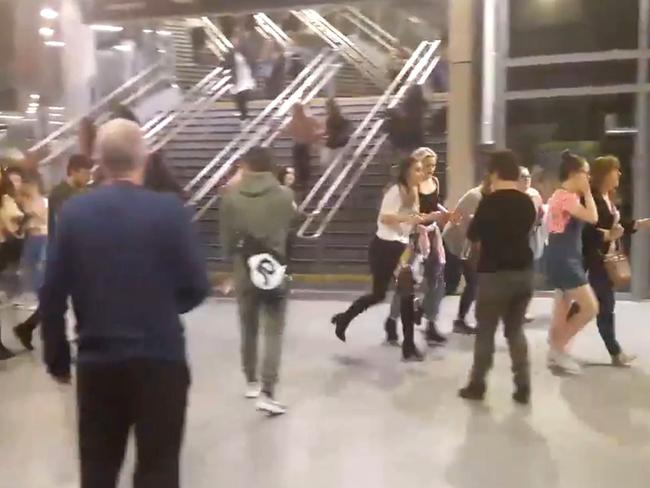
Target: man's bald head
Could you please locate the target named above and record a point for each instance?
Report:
(122, 149)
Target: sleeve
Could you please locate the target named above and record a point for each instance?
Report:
(192, 282)
(226, 228)
(569, 202)
(392, 202)
(476, 226)
(53, 300)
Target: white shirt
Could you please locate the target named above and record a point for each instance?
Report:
(392, 205)
(245, 80)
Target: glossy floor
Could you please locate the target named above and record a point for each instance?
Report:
(361, 418)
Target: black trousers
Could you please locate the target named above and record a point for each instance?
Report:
(469, 292)
(302, 163)
(599, 281)
(241, 99)
(148, 395)
(383, 257)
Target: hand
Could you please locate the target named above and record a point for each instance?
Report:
(584, 185)
(455, 218)
(415, 219)
(616, 232)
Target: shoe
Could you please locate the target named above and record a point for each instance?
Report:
(472, 391)
(267, 404)
(461, 327)
(418, 312)
(522, 395)
(412, 355)
(390, 326)
(432, 335)
(253, 390)
(24, 335)
(563, 362)
(341, 326)
(5, 353)
(623, 360)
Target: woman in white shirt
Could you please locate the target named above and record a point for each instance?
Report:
(398, 216)
(244, 82)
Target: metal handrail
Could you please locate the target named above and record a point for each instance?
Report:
(265, 135)
(269, 26)
(101, 104)
(337, 40)
(306, 78)
(219, 38)
(370, 27)
(415, 66)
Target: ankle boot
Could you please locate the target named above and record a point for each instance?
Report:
(390, 326)
(433, 336)
(341, 323)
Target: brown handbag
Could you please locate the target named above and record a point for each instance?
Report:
(617, 266)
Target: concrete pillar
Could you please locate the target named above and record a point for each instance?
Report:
(461, 139)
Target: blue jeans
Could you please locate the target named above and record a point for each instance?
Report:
(33, 262)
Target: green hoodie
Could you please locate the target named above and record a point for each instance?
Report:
(260, 207)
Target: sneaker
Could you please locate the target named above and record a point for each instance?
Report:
(412, 355)
(473, 392)
(341, 325)
(5, 353)
(268, 405)
(24, 335)
(461, 327)
(390, 326)
(623, 360)
(522, 395)
(253, 390)
(433, 337)
(563, 362)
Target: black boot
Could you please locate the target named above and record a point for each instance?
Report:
(461, 327)
(433, 336)
(5, 353)
(341, 322)
(24, 333)
(417, 312)
(522, 394)
(411, 354)
(473, 391)
(390, 326)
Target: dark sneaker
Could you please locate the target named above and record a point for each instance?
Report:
(472, 392)
(390, 326)
(461, 327)
(412, 355)
(432, 335)
(5, 353)
(522, 395)
(341, 325)
(24, 335)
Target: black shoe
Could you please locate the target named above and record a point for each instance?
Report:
(472, 392)
(390, 326)
(5, 353)
(341, 325)
(412, 355)
(433, 336)
(522, 395)
(461, 327)
(24, 334)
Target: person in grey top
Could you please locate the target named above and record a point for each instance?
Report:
(459, 249)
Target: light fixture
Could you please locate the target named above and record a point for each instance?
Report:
(11, 117)
(56, 109)
(147, 31)
(33, 104)
(56, 115)
(46, 32)
(414, 20)
(162, 51)
(106, 28)
(35, 96)
(55, 43)
(49, 13)
(127, 48)
(164, 33)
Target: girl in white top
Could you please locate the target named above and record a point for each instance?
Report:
(398, 216)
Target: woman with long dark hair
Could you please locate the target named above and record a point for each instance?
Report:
(398, 216)
(600, 239)
(337, 133)
(159, 178)
(566, 219)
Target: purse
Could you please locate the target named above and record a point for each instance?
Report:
(617, 266)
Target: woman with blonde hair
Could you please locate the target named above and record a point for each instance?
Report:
(600, 239)
(434, 216)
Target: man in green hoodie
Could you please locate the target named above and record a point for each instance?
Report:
(255, 220)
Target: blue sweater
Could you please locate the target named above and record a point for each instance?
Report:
(130, 260)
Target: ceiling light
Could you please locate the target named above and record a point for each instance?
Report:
(414, 20)
(33, 104)
(106, 28)
(49, 13)
(55, 43)
(164, 33)
(11, 117)
(56, 109)
(35, 96)
(162, 51)
(147, 31)
(46, 32)
(127, 48)
(56, 115)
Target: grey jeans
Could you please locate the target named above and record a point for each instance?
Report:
(257, 308)
(502, 296)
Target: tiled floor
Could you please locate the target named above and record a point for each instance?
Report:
(361, 418)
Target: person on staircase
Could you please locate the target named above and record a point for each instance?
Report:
(243, 81)
(435, 217)
(398, 216)
(305, 130)
(338, 130)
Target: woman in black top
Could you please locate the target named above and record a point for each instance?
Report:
(434, 280)
(598, 240)
(337, 133)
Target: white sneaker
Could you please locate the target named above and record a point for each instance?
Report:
(253, 390)
(562, 361)
(268, 405)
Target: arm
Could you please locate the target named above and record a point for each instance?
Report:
(587, 212)
(476, 226)
(389, 211)
(53, 302)
(192, 283)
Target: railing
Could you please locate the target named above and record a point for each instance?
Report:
(267, 25)
(421, 62)
(318, 75)
(337, 40)
(218, 38)
(371, 28)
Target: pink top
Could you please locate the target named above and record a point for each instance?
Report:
(560, 205)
